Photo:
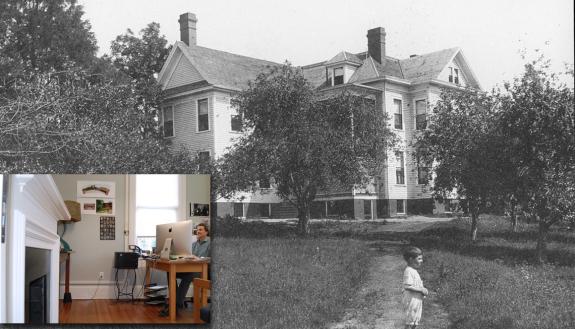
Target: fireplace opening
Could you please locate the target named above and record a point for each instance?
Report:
(37, 298)
(36, 285)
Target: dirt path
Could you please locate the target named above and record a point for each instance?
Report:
(377, 304)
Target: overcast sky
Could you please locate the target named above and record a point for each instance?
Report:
(491, 33)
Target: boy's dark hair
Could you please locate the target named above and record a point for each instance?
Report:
(411, 252)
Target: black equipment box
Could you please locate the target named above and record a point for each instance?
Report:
(128, 260)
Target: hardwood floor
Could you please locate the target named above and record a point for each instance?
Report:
(116, 312)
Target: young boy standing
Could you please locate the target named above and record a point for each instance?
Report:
(413, 290)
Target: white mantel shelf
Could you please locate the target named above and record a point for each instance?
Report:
(35, 206)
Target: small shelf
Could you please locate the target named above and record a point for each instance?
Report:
(74, 210)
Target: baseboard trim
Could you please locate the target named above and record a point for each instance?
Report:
(101, 291)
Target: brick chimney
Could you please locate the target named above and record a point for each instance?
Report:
(188, 28)
(376, 44)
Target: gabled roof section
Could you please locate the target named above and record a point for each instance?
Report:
(344, 56)
(315, 74)
(467, 71)
(371, 69)
(221, 68)
(368, 70)
(427, 67)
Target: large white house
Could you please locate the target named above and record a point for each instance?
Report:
(200, 82)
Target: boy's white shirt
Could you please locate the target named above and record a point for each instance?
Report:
(411, 278)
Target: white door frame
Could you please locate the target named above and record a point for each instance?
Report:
(3, 254)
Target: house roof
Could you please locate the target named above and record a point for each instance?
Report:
(234, 71)
(315, 74)
(426, 67)
(344, 56)
(225, 69)
(414, 69)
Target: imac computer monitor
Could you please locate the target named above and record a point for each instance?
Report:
(182, 235)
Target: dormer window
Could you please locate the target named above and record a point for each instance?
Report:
(338, 76)
(329, 77)
(335, 76)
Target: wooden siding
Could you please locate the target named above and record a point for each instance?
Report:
(185, 123)
(223, 134)
(183, 74)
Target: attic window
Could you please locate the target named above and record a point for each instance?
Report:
(454, 75)
(338, 76)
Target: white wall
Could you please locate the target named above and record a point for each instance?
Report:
(91, 255)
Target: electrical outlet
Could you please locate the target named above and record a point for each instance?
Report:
(101, 275)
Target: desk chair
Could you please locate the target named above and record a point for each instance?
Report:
(201, 307)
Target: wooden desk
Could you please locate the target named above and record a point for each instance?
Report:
(173, 267)
(65, 257)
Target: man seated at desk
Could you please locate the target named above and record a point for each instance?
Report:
(200, 249)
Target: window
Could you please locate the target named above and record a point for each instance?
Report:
(401, 206)
(236, 122)
(397, 114)
(203, 118)
(399, 168)
(420, 114)
(456, 77)
(367, 209)
(157, 201)
(264, 210)
(329, 74)
(423, 175)
(238, 209)
(423, 169)
(338, 76)
(168, 120)
(264, 182)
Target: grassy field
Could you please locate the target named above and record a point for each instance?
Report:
(284, 282)
(269, 277)
(494, 282)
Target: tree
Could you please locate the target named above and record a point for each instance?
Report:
(67, 123)
(64, 110)
(304, 141)
(461, 139)
(538, 122)
(44, 36)
(141, 59)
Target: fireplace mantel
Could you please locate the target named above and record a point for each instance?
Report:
(35, 207)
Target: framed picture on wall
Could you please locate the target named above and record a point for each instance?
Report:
(95, 189)
(97, 206)
(199, 209)
(105, 206)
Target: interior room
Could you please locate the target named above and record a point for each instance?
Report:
(82, 248)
